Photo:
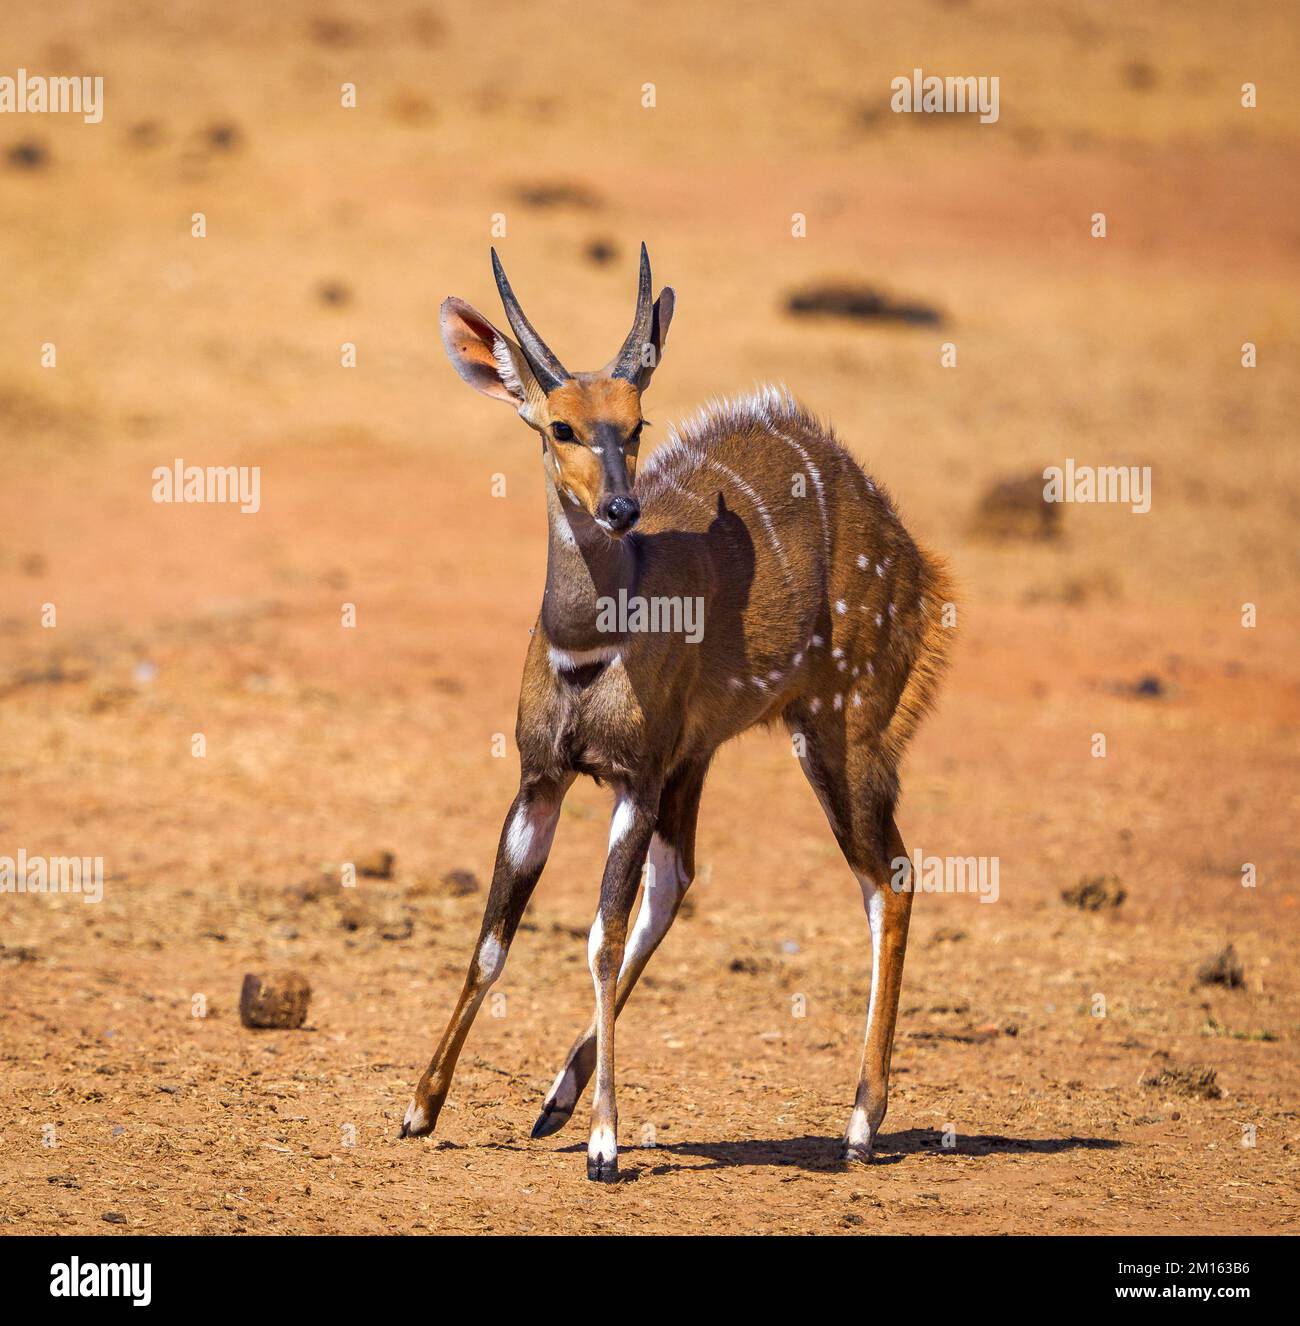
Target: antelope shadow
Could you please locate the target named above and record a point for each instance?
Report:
(821, 1154)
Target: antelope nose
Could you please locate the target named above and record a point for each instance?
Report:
(622, 512)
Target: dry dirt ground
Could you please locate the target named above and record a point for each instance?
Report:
(1028, 1027)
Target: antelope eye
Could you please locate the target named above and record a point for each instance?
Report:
(636, 432)
(563, 433)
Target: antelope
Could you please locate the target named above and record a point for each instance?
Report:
(818, 608)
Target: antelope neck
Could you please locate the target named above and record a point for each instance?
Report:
(583, 566)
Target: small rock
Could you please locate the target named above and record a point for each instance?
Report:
(29, 155)
(1149, 686)
(333, 292)
(600, 251)
(397, 927)
(859, 302)
(223, 137)
(1092, 894)
(1014, 508)
(113, 1218)
(460, 883)
(1224, 968)
(375, 865)
(1194, 1080)
(352, 914)
(64, 1180)
(948, 935)
(279, 1001)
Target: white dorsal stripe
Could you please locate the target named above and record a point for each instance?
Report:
(814, 473)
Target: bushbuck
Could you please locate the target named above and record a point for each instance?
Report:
(818, 609)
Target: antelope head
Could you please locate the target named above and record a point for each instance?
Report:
(590, 422)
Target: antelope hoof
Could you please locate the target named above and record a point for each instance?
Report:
(419, 1121)
(601, 1169)
(552, 1118)
(856, 1151)
(602, 1155)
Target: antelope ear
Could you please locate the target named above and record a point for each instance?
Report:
(653, 350)
(486, 358)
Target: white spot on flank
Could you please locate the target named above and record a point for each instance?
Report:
(879, 619)
(815, 704)
(841, 607)
(797, 659)
(862, 561)
(816, 642)
(857, 700)
(837, 652)
(774, 675)
(839, 702)
(880, 570)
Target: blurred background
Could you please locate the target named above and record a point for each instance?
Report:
(565, 134)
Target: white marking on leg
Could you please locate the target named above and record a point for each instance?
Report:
(415, 1118)
(665, 882)
(563, 1094)
(859, 1130)
(491, 960)
(620, 823)
(532, 828)
(594, 941)
(602, 1146)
